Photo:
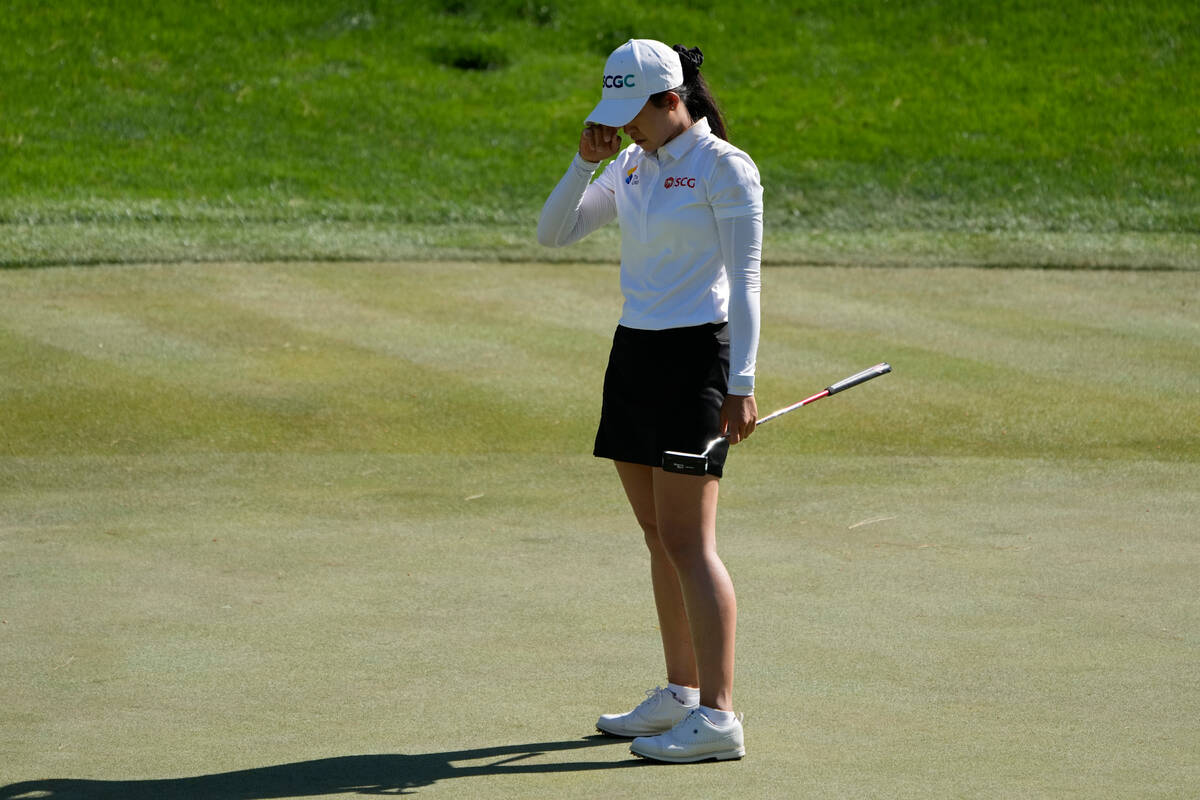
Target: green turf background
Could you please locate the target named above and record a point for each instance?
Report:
(308, 530)
(189, 131)
(295, 498)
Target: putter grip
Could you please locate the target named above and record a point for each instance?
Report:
(862, 377)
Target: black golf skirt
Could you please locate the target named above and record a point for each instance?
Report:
(663, 390)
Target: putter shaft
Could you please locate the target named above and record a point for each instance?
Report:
(696, 463)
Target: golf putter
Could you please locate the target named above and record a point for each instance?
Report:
(697, 463)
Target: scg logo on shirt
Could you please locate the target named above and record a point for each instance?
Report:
(671, 183)
(617, 81)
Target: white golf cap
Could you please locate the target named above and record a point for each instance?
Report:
(634, 71)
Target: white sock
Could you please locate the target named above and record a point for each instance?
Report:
(722, 719)
(688, 695)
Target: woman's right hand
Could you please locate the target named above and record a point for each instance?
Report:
(598, 142)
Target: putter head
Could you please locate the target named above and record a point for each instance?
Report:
(685, 463)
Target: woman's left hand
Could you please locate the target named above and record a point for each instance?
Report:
(739, 414)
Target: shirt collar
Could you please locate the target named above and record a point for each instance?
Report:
(678, 147)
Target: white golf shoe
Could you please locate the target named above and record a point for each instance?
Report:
(659, 712)
(694, 739)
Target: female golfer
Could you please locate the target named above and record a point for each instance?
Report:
(681, 371)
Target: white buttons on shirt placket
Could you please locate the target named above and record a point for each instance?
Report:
(649, 181)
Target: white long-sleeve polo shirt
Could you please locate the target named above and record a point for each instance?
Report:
(691, 235)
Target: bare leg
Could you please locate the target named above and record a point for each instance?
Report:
(638, 481)
(697, 608)
(686, 508)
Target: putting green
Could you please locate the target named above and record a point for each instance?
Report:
(314, 530)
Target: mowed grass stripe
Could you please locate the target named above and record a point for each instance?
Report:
(464, 357)
(224, 239)
(1007, 363)
(456, 318)
(313, 368)
(1102, 325)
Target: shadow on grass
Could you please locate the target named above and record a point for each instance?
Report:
(367, 774)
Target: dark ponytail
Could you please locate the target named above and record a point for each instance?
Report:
(694, 92)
